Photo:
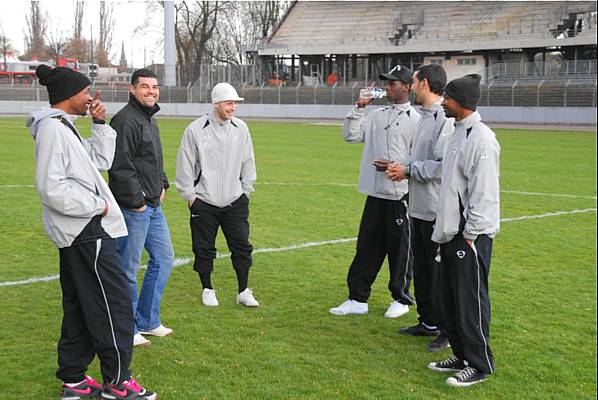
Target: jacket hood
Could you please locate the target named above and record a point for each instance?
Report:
(34, 119)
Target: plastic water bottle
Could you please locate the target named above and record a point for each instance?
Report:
(372, 93)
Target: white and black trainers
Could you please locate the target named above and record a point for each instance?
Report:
(451, 364)
(467, 377)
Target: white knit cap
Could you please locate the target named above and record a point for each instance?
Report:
(224, 92)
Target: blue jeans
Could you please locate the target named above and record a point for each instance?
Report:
(147, 229)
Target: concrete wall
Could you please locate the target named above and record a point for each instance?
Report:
(519, 115)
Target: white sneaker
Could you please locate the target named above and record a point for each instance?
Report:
(396, 309)
(246, 298)
(139, 340)
(160, 331)
(350, 307)
(208, 298)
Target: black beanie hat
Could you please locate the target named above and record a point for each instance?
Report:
(61, 82)
(465, 91)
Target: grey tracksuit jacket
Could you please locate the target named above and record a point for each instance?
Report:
(387, 134)
(215, 162)
(425, 161)
(469, 192)
(67, 177)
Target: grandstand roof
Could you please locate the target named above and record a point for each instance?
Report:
(370, 27)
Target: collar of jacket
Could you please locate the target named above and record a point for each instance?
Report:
(402, 106)
(149, 111)
(212, 120)
(469, 121)
(434, 107)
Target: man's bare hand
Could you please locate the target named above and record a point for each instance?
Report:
(97, 108)
(396, 172)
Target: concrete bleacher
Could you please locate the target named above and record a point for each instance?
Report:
(350, 26)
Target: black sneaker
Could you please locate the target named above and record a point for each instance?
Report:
(419, 330)
(451, 364)
(469, 376)
(86, 389)
(440, 343)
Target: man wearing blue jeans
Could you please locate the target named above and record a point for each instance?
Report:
(139, 183)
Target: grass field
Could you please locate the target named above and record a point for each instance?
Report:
(542, 282)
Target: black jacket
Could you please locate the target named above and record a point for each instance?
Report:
(137, 175)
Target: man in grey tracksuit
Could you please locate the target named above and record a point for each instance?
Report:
(467, 221)
(81, 217)
(384, 230)
(215, 173)
(423, 168)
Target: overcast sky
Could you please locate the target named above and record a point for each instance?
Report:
(127, 15)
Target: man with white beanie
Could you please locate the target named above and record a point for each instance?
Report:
(215, 173)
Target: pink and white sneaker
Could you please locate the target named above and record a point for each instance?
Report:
(127, 390)
(88, 388)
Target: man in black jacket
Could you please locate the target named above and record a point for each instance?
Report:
(139, 183)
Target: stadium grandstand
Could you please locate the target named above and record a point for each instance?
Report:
(529, 53)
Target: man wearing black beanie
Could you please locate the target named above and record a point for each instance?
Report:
(467, 221)
(82, 218)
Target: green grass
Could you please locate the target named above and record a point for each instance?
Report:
(543, 283)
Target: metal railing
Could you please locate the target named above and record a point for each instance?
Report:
(556, 93)
(542, 70)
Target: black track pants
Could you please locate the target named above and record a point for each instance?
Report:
(205, 220)
(384, 232)
(465, 299)
(98, 318)
(425, 272)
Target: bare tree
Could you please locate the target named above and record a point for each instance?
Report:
(265, 15)
(105, 36)
(36, 32)
(244, 24)
(57, 41)
(195, 23)
(5, 47)
(78, 46)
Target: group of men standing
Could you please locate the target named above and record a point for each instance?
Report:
(101, 229)
(432, 209)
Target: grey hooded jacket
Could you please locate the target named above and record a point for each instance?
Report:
(70, 187)
(215, 162)
(387, 134)
(470, 191)
(425, 161)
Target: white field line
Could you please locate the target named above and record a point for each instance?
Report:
(524, 193)
(184, 261)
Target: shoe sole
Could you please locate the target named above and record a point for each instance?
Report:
(154, 335)
(437, 349)
(144, 344)
(454, 383)
(340, 313)
(439, 369)
(210, 305)
(247, 305)
(419, 333)
(395, 316)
